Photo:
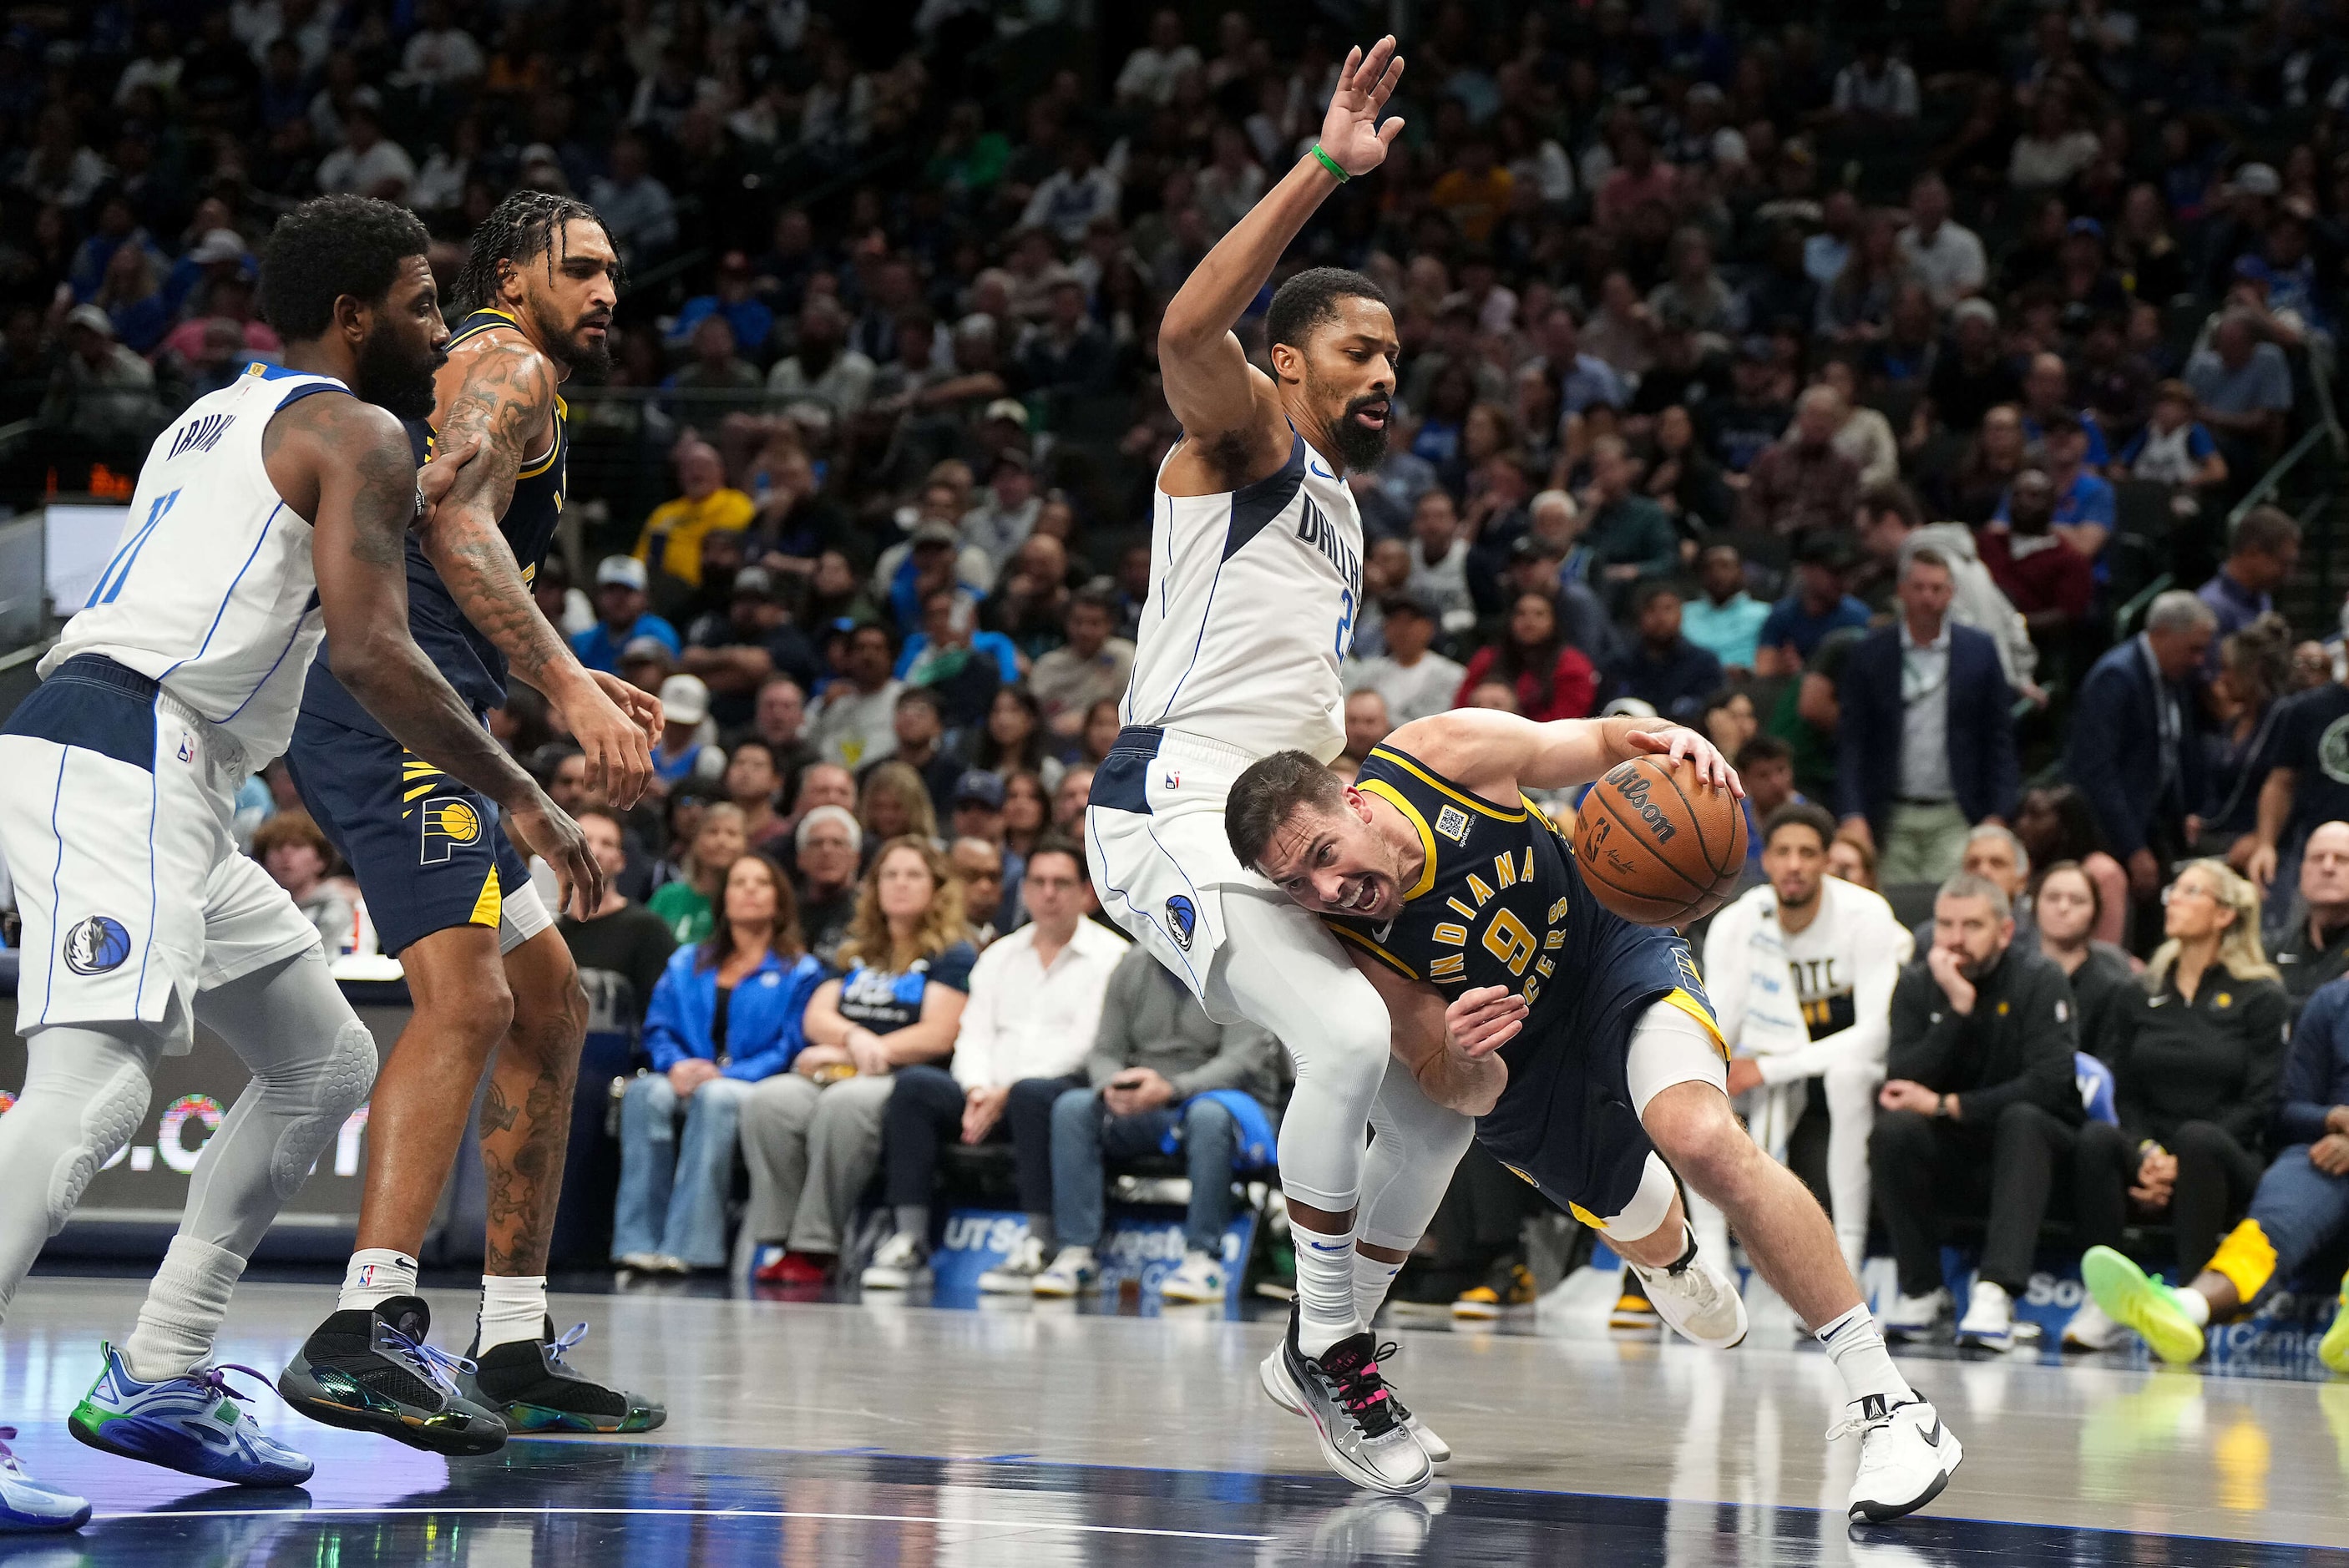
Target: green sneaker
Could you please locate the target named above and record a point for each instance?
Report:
(2334, 1348)
(2145, 1305)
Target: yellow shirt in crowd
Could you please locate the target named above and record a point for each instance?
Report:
(676, 529)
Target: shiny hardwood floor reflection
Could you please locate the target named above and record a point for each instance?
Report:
(888, 1433)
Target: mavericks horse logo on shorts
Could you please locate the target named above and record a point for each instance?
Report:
(1182, 920)
(96, 945)
(449, 820)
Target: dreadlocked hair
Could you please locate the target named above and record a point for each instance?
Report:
(525, 226)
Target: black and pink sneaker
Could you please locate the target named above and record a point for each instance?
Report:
(1364, 1431)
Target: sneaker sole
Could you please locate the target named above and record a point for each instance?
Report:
(15, 1523)
(1985, 1341)
(2127, 1296)
(1056, 1293)
(1197, 1298)
(1273, 1373)
(304, 1394)
(96, 1435)
(541, 1418)
(1635, 1321)
(1885, 1513)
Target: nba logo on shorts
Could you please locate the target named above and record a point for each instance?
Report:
(96, 945)
(449, 822)
(1182, 920)
(187, 746)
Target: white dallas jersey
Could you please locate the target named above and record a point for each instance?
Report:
(1252, 594)
(211, 592)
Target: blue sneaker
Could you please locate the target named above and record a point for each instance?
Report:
(191, 1424)
(26, 1506)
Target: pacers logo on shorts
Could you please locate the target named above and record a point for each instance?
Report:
(450, 822)
(96, 945)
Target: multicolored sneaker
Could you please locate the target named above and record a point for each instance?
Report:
(371, 1371)
(28, 1507)
(529, 1384)
(2129, 1295)
(1509, 1285)
(1364, 1431)
(193, 1423)
(2334, 1348)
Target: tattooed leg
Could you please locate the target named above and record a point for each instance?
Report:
(416, 1120)
(526, 1114)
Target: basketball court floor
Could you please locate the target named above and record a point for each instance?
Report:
(1037, 1434)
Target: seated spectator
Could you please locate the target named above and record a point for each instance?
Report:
(1007, 512)
(1975, 490)
(297, 855)
(1070, 798)
(686, 904)
(2314, 948)
(895, 802)
(1627, 535)
(1439, 561)
(621, 616)
(726, 1013)
(827, 847)
(1102, 722)
(1971, 375)
(823, 370)
(1996, 855)
(1066, 352)
(1943, 255)
(1550, 678)
(2260, 558)
(2299, 1212)
(1013, 739)
(1739, 428)
(1367, 723)
(958, 666)
(2083, 506)
(2175, 448)
(1819, 604)
(1410, 677)
(1980, 1105)
(100, 392)
(1165, 1077)
(1662, 669)
(714, 367)
(1034, 1011)
(853, 721)
(2055, 824)
(2137, 703)
(1849, 860)
(682, 760)
(813, 1136)
(623, 948)
(2244, 705)
(2042, 577)
(1800, 972)
(2244, 387)
(979, 865)
(1926, 740)
(1860, 433)
(1092, 666)
(752, 782)
(1724, 619)
(2067, 908)
(1683, 480)
(1876, 90)
(733, 300)
(2196, 1053)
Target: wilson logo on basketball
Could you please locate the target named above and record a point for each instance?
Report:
(1633, 789)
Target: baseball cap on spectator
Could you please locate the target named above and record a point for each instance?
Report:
(683, 699)
(217, 245)
(625, 570)
(1627, 707)
(753, 583)
(839, 815)
(91, 316)
(1409, 603)
(936, 533)
(1009, 408)
(2259, 180)
(1975, 309)
(977, 787)
(1009, 456)
(644, 649)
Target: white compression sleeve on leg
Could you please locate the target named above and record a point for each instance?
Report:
(1851, 1115)
(86, 1089)
(1415, 1146)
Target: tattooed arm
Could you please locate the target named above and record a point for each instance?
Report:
(506, 401)
(345, 466)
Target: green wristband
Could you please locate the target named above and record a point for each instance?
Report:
(1337, 172)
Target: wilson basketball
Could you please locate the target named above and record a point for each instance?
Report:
(1657, 846)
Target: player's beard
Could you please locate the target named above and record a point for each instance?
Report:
(589, 359)
(1359, 446)
(398, 378)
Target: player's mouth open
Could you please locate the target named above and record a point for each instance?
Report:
(1361, 898)
(1372, 418)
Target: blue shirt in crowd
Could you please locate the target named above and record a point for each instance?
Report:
(1790, 622)
(598, 649)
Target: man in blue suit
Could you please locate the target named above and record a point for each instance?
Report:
(1926, 735)
(2133, 752)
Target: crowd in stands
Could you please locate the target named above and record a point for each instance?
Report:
(1880, 404)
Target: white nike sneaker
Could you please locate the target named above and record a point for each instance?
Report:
(1072, 1274)
(2090, 1328)
(1906, 1456)
(1697, 1300)
(900, 1262)
(1439, 1452)
(1016, 1276)
(1913, 1316)
(1989, 1322)
(1200, 1279)
(1362, 1428)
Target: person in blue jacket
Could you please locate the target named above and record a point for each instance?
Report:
(726, 1013)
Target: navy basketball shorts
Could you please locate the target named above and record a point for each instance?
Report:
(428, 851)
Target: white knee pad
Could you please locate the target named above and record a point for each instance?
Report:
(1645, 1213)
(109, 1117)
(338, 1087)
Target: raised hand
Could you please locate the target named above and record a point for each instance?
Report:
(1482, 1021)
(1677, 741)
(1351, 131)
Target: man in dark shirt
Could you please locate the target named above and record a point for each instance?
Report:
(1979, 1094)
(2308, 780)
(1972, 377)
(750, 642)
(1738, 428)
(622, 948)
(828, 846)
(2314, 949)
(1664, 668)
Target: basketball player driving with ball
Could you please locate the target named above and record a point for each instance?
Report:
(1583, 1044)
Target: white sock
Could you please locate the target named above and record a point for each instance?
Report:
(376, 1274)
(2196, 1305)
(1373, 1278)
(513, 1307)
(1325, 1289)
(1856, 1348)
(182, 1310)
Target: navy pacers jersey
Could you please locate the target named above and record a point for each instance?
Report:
(469, 660)
(1501, 902)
